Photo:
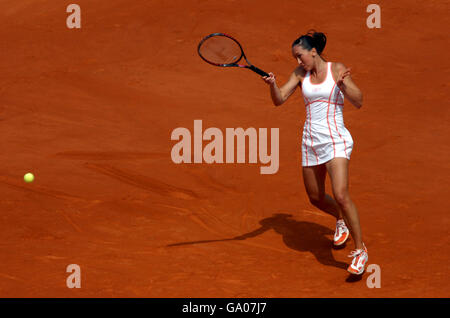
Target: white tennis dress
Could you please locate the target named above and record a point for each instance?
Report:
(324, 134)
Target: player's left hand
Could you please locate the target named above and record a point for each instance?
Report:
(342, 75)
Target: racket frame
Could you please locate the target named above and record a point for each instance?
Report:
(235, 64)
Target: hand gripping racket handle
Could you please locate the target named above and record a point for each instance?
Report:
(257, 70)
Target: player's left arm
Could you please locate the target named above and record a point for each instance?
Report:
(347, 86)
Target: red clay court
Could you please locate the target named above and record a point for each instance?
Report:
(90, 112)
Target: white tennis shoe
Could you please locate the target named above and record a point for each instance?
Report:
(342, 233)
(360, 258)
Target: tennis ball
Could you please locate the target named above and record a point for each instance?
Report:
(28, 177)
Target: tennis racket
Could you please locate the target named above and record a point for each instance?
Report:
(220, 49)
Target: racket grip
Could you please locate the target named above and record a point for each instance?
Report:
(257, 70)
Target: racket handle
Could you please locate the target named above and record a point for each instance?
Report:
(257, 70)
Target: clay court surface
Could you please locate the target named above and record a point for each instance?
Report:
(90, 112)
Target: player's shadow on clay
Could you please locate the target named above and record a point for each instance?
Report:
(298, 235)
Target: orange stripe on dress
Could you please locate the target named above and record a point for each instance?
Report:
(312, 143)
(306, 150)
(336, 99)
(310, 120)
(328, 122)
(306, 146)
(322, 100)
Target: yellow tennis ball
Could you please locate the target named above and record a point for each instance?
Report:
(28, 177)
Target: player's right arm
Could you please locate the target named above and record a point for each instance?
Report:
(281, 94)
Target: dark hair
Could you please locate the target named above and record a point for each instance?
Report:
(312, 39)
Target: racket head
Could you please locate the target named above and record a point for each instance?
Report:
(220, 49)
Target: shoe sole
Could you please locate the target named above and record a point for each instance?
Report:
(343, 242)
(358, 273)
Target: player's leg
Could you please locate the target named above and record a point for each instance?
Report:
(314, 180)
(338, 170)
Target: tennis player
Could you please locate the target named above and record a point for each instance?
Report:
(326, 144)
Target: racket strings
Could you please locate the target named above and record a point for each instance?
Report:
(220, 50)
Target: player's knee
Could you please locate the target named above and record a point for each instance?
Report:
(342, 198)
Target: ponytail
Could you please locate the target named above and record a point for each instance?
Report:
(311, 40)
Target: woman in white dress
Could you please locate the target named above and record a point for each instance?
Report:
(326, 143)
